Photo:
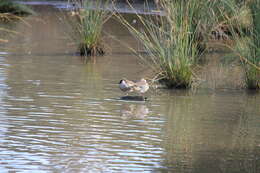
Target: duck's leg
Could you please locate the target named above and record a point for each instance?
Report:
(143, 97)
(140, 94)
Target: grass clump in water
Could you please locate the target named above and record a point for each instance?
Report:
(253, 72)
(172, 40)
(87, 27)
(8, 6)
(248, 48)
(250, 58)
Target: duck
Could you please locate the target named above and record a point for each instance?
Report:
(128, 86)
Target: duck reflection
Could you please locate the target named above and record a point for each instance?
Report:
(134, 111)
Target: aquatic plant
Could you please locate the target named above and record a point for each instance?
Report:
(251, 62)
(172, 39)
(249, 56)
(87, 26)
(8, 6)
(247, 47)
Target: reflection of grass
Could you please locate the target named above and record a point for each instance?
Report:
(7, 6)
(87, 27)
(195, 131)
(244, 139)
(181, 132)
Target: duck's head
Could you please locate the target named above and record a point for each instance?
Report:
(121, 81)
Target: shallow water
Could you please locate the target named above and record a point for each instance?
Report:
(138, 6)
(60, 114)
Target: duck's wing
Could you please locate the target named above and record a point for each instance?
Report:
(141, 86)
(129, 83)
(140, 83)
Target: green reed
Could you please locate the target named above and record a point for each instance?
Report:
(172, 40)
(253, 71)
(87, 26)
(247, 47)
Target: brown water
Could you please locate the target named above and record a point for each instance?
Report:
(60, 114)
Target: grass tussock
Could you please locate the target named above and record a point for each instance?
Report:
(8, 6)
(250, 60)
(87, 23)
(172, 40)
(239, 22)
(247, 47)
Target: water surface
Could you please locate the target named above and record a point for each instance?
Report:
(61, 114)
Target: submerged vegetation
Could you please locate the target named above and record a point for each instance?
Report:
(87, 24)
(8, 6)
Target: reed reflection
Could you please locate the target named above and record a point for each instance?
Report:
(201, 137)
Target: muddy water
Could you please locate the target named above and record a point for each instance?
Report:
(60, 114)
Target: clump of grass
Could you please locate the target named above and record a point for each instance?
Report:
(172, 40)
(8, 6)
(253, 72)
(228, 15)
(250, 58)
(87, 27)
(248, 48)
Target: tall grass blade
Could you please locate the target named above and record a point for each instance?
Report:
(248, 46)
(172, 40)
(87, 22)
